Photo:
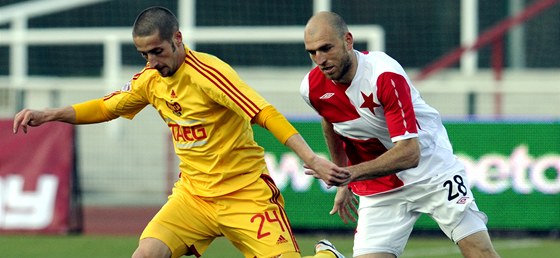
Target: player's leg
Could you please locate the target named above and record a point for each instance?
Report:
(477, 245)
(151, 247)
(471, 235)
(184, 225)
(384, 225)
(255, 221)
(451, 204)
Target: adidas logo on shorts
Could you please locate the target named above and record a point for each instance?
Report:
(281, 240)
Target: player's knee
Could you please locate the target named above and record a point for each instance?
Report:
(485, 251)
(480, 253)
(147, 253)
(138, 253)
(478, 245)
(488, 251)
(151, 248)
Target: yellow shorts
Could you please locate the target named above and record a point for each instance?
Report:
(252, 218)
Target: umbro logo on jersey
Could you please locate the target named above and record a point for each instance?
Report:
(463, 200)
(327, 95)
(281, 240)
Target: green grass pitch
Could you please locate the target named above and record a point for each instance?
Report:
(31, 246)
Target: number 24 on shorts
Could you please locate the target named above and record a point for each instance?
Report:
(262, 218)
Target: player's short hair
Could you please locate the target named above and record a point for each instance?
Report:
(332, 20)
(156, 18)
(338, 24)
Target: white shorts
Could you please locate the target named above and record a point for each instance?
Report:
(385, 221)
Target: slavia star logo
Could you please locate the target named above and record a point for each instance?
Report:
(368, 102)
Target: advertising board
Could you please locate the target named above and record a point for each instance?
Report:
(38, 192)
(513, 169)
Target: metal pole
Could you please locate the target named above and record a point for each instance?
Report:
(321, 5)
(469, 33)
(187, 21)
(18, 52)
(516, 51)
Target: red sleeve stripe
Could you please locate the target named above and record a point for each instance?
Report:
(135, 77)
(394, 93)
(222, 82)
(405, 125)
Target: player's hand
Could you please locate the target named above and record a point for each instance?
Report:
(327, 171)
(28, 117)
(345, 204)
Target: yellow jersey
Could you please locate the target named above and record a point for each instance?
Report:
(208, 109)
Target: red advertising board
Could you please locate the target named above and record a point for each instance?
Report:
(38, 189)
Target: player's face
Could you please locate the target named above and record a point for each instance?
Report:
(332, 54)
(160, 54)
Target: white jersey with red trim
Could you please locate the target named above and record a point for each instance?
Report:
(379, 108)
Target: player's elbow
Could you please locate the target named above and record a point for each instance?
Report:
(414, 159)
(410, 153)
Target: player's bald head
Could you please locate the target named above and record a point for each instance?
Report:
(155, 19)
(326, 21)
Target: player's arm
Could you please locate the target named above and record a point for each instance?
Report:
(29, 117)
(334, 144)
(88, 112)
(345, 202)
(402, 128)
(284, 131)
(404, 155)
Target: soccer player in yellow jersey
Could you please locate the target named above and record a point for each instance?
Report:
(224, 188)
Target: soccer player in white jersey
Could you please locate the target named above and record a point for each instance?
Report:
(394, 144)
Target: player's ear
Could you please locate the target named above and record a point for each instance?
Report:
(349, 40)
(178, 39)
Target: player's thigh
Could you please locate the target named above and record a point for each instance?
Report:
(255, 221)
(384, 225)
(449, 201)
(473, 221)
(186, 224)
